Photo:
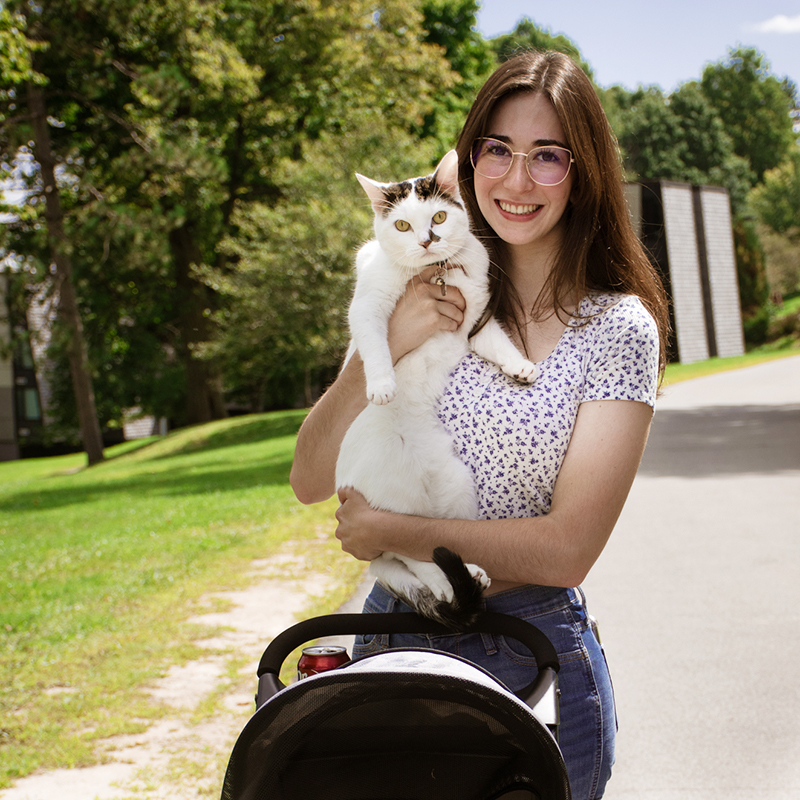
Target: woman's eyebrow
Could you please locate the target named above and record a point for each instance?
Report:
(538, 143)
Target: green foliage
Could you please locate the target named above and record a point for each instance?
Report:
(206, 153)
(776, 202)
(450, 24)
(293, 280)
(170, 117)
(754, 106)
(707, 148)
(16, 48)
(529, 36)
(648, 132)
(677, 137)
(782, 255)
(753, 288)
(777, 199)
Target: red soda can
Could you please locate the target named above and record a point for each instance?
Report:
(320, 658)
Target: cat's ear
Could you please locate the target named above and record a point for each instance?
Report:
(374, 191)
(447, 173)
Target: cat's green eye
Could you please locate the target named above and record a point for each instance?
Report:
(402, 225)
(439, 217)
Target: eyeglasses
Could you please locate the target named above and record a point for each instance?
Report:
(547, 166)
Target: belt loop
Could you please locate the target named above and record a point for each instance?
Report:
(489, 643)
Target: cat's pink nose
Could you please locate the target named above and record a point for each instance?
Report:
(432, 237)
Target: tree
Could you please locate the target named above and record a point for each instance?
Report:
(754, 105)
(776, 202)
(25, 73)
(677, 137)
(777, 199)
(649, 134)
(170, 115)
(287, 322)
(529, 36)
(451, 25)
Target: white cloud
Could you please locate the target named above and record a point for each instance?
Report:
(779, 24)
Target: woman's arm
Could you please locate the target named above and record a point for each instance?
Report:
(420, 312)
(558, 549)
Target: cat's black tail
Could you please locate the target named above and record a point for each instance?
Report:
(467, 591)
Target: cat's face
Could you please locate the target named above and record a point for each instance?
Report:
(420, 224)
(420, 221)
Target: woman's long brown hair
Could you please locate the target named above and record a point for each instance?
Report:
(600, 250)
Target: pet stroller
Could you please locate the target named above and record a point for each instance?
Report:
(403, 724)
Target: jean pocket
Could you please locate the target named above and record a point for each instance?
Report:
(560, 628)
(370, 644)
(514, 651)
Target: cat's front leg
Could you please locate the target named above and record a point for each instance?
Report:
(369, 325)
(370, 339)
(493, 343)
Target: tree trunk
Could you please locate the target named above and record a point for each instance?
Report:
(204, 397)
(67, 301)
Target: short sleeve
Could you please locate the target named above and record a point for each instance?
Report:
(624, 354)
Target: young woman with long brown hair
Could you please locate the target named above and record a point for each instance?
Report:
(553, 462)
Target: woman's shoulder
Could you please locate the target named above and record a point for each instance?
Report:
(609, 311)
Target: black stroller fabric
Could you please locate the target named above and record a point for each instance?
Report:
(442, 730)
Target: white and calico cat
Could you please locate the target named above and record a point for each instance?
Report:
(397, 452)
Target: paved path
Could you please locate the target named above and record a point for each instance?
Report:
(698, 595)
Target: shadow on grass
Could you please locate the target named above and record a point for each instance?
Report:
(216, 474)
(162, 484)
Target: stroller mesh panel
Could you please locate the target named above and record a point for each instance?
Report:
(388, 736)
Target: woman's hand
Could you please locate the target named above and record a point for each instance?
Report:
(357, 525)
(423, 311)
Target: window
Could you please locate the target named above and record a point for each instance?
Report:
(28, 407)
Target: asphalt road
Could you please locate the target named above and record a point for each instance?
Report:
(698, 595)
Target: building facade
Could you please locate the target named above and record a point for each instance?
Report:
(689, 233)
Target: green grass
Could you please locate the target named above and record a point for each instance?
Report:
(676, 373)
(791, 304)
(101, 567)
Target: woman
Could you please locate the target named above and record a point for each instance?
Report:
(553, 462)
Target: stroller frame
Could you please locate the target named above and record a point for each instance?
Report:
(264, 756)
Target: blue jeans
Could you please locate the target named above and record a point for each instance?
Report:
(588, 719)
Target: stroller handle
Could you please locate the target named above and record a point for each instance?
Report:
(352, 624)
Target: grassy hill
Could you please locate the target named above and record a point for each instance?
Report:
(101, 567)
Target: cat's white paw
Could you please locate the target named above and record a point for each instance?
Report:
(479, 575)
(441, 587)
(382, 391)
(433, 578)
(523, 370)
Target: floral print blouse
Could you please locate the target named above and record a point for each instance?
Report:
(514, 436)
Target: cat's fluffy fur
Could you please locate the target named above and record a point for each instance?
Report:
(397, 452)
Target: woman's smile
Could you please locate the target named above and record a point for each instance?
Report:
(517, 210)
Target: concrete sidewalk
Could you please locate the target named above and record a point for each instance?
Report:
(698, 595)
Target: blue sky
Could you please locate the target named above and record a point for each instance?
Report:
(630, 42)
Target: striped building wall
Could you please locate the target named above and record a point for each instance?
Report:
(684, 272)
(723, 283)
(689, 232)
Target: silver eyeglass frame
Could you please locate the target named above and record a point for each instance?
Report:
(526, 155)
